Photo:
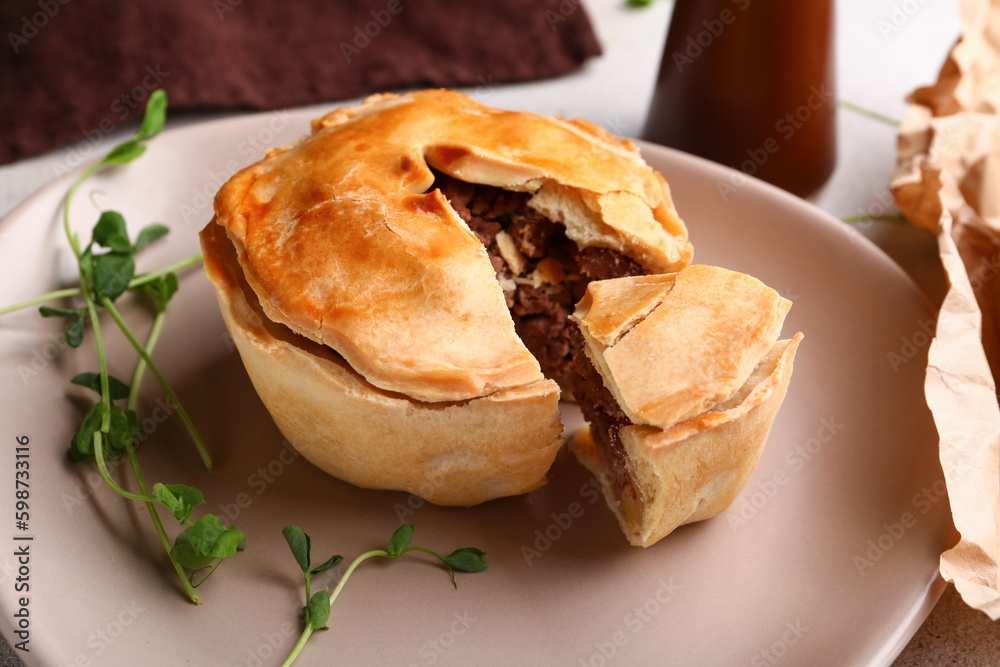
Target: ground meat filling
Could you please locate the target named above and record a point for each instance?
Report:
(543, 275)
(606, 419)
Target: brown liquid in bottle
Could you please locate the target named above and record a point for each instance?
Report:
(750, 84)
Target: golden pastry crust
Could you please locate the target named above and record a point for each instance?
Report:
(702, 382)
(341, 241)
(697, 468)
(671, 346)
(460, 453)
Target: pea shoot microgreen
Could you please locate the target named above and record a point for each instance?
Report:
(109, 430)
(316, 611)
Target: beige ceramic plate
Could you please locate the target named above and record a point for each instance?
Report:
(828, 557)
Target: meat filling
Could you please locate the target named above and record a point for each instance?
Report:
(606, 419)
(542, 272)
(543, 275)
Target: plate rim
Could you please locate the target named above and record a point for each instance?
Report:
(873, 253)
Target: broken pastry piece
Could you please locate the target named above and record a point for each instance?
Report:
(680, 377)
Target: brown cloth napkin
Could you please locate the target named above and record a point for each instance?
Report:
(74, 70)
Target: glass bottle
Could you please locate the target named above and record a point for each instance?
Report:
(750, 84)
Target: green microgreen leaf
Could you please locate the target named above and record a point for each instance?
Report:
(50, 311)
(110, 232)
(178, 498)
(103, 278)
(300, 544)
(148, 234)
(162, 289)
(124, 429)
(112, 273)
(82, 446)
(125, 152)
(74, 332)
(333, 560)
(188, 553)
(206, 540)
(152, 123)
(468, 559)
(156, 115)
(400, 540)
(317, 611)
(116, 388)
(87, 261)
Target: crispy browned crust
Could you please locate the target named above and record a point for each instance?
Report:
(341, 242)
(694, 470)
(671, 346)
(693, 360)
(372, 325)
(458, 453)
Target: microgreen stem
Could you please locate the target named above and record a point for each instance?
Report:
(133, 398)
(103, 467)
(181, 412)
(87, 173)
(146, 498)
(85, 290)
(868, 113)
(160, 530)
(307, 631)
(140, 368)
(353, 566)
(138, 281)
(51, 296)
(110, 232)
(211, 572)
(426, 551)
(885, 217)
(102, 360)
(299, 645)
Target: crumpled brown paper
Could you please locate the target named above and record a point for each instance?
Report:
(948, 181)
